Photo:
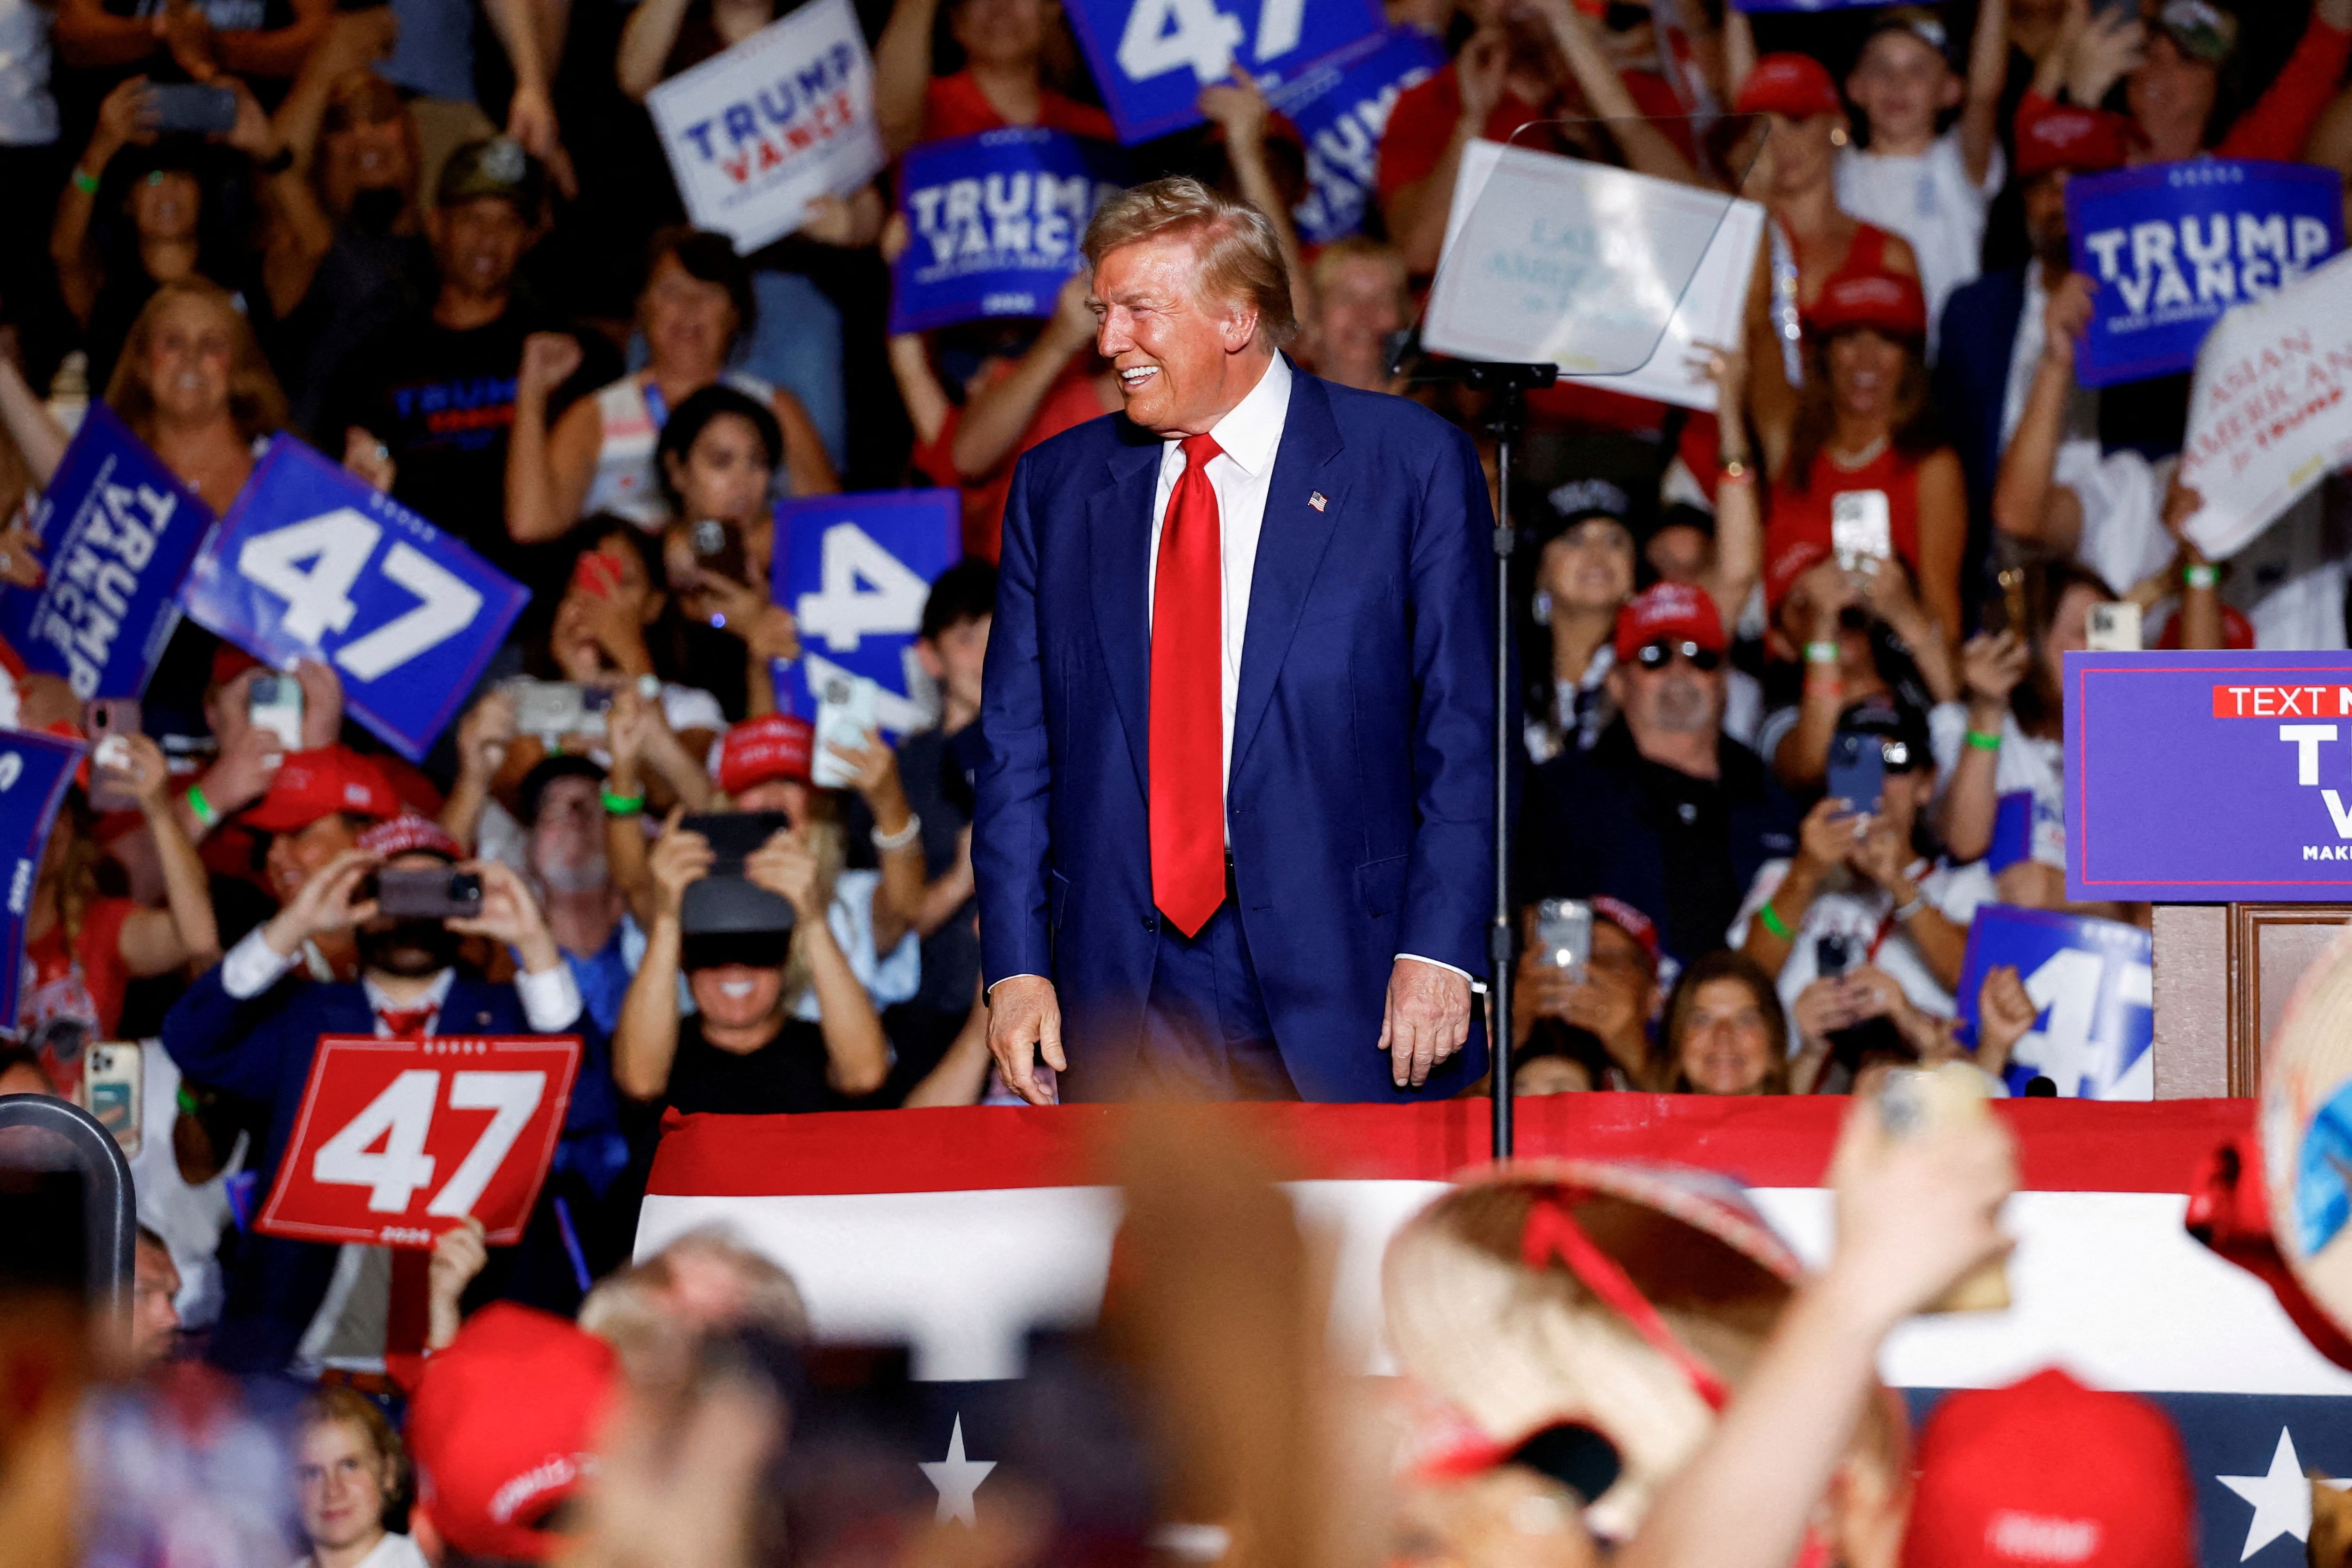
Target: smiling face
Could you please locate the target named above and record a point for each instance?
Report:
(479, 244)
(295, 858)
(737, 996)
(1726, 1044)
(340, 1486)
(1866, 374)
(689, 324)
(1901, 83)
(1590, 567)
(191, 351)
(1359, 303)
(1184, 361)
(2171, 94)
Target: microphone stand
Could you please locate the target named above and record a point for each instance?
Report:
(1506, 420)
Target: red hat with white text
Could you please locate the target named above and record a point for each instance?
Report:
(1673, 610)
(408, 834)
(309, 785)
(1888, 302)
(2049, 1474)
(1793, 85)
(774, 746)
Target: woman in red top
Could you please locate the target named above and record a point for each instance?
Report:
(1857, 462)
(1004, 42)
(82, 948)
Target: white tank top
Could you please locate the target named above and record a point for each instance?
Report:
(624, 483)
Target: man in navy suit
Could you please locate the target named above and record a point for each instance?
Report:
(236, 1029)
(1237, 815)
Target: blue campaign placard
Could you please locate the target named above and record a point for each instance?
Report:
(1152, 57)
(1341, 109)
(2093, 981)
(116, 530)
(35, 769)
(311, 563)
(993, 223)
(2173, 246)
(854, 571)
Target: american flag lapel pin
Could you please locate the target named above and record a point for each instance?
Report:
(1316, 501)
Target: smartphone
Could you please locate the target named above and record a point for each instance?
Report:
(2114, 628)
(596, 574)
(1857, 771)
(717, 547)
(849, 709)
(1832, 955)
(549, 709)
(428, 892)
(190, 106)
(111, 1081)
(1564, 932)
(111, 722)
(274, 703)
(1862, 528)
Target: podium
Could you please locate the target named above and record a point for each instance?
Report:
(2223, 974)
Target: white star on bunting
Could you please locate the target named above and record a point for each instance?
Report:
(958, 1479)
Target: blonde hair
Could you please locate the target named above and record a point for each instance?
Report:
(1359, 248)
(327, 1407)
(256, 401)
(633, 1308)
(1240, 257)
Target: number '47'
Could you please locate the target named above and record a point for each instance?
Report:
(401, 1119)
(1163, 34)
(337, 545)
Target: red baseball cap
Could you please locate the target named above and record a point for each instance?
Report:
(229, 661)
(504, 1426)
(409, 833)
(1793, 85)
(309, 785)
(2049, 1474)
(774, 746)
(1886, 301)
(2063, 136)
(1630, 921)
(1669, 609)
(1787, 559)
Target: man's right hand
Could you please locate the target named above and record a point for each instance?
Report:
(325, 903)
(1024, 1016)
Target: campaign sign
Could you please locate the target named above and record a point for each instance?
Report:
(756, 132)
(1152, 57)
(1341, 109)
(2173, 246)
(311, 563)
(994, 223)
(34, 772)
(398, 1140)
(2268, 417)
(2209, 777)
(854, 571)
(2094, 982)
(118, 529)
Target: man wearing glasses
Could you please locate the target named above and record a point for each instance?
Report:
(1666, 811)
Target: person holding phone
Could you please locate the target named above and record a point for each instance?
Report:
(1608, 1001)
(235, 1030)
(1865, 897)
(616, 628)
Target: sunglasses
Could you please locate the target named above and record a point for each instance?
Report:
(1658, 655)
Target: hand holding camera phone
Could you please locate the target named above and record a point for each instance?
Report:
(112, 1080)
(111, 722)
(1564, 934)
(718, 546)
(274, 703)
(429, 893)
(2114, 628)
(191, 106)
(1857, 771)
(1862, 528)
(849, 709)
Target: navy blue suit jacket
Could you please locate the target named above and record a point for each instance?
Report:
(1359, 804)
(261, 1048)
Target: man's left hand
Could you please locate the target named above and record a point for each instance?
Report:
(1427, 1020)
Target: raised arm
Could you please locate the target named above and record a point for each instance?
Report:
(995, 415)
(90, 36)
(646, 43)
(858, 1055)
(548, 474)
(1416, 210)
(1647, 148)
(532, 32)
(902, 73)
(811, 470)
(1241, 110)
(644, 1038)
(156, 940)
(120, 121)
(279, 51)
(2023, 494)
(1979, 122)
(37, 435)
(1739, 508)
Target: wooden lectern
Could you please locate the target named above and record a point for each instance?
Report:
(2223, 974)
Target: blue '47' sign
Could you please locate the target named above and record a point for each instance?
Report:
(311, 563)
(1341, 109)
(118, 528)
(2093, 981)
(1152, 57)
(855, 572)
(34, 772)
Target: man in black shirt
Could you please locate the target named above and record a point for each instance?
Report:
(1665, 811)
(425, 409)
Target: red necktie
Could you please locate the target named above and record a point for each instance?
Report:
(1188, 723)
(406, 1023)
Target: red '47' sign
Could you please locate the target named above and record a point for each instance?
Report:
(400, 1139)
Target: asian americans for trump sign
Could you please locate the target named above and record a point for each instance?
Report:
(755, 134)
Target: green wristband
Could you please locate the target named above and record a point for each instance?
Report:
(200, 808)
(1822, 652)
(1773, 923)
(1984, 742)
(87, 184)
(2201, 574)
(623, 805)
(188, 1102)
